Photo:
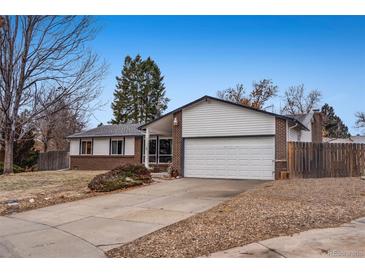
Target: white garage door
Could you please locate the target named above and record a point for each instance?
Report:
(233, 158)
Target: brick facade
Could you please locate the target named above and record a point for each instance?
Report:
(106, 162)
(317, 127)
(280, 146)
(177, 144)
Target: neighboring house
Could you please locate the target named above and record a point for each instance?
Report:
(313, 122)
(351, 140)
(207, 138)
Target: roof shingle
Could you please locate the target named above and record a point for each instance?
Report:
(110, 131)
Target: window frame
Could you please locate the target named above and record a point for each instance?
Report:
(157, 154)
(82, 141)
(122, 140)
(154, 138)
(164, 155)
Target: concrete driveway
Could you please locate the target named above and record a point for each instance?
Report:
(88, 227)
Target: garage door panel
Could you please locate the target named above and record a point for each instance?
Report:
(235, 158)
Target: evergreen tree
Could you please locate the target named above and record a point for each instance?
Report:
(333, 125)
(139, 96)
(25, 155)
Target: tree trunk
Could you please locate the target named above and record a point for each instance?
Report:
(45, 146)
(9, 154)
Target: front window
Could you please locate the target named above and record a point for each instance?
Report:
(117, 147)
(161, 152)
(165, 151)
(86, 147)
(152, 151)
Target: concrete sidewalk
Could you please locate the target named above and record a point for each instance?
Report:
(346, 241)
(88, 227)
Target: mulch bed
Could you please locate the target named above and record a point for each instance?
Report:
(274, 209)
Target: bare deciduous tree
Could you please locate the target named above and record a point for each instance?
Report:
(234, 95)
(297, 102)
(44, 59)
(360, 119)
(262, 91)
(51, 133)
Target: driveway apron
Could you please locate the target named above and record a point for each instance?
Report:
(87, 228)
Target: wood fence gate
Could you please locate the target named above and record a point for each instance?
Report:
(318, 160)
(53, 160)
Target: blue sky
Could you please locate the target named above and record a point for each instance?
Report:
(199, 55)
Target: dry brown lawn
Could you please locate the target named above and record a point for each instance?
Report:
(274, 209)
(45, 187)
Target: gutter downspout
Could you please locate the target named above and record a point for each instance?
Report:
(296, 124)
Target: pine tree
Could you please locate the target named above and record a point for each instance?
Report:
(139, 96)
(333, 127)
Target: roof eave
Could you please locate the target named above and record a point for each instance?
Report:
(206, 97)
(104, 136)
(303, 127)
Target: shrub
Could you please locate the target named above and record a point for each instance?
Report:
(16, 168)
(173, 173)
(121, 177)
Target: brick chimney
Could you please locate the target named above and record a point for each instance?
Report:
(317, 123)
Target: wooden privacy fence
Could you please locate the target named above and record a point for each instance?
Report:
(53, 160)
(318, 160)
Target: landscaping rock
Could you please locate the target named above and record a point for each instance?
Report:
(121, 177)
(13, 204)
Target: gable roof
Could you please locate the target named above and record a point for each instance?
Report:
(110, 131)
(207, 97)
(358, 139)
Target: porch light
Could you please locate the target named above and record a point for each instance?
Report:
(176, 122)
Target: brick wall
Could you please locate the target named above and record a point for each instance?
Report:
(106, 162)
(177, 143)
(317, 127)
(280, 147)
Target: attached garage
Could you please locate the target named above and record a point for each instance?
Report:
(214, 138)
(230, 157)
